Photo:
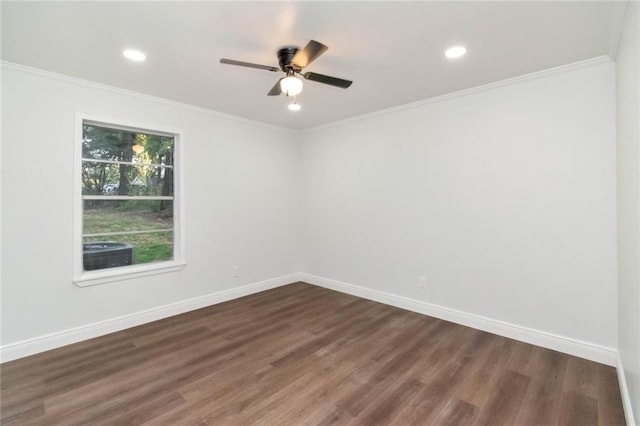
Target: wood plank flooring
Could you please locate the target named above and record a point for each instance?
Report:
(304, 355)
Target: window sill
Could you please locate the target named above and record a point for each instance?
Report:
(103, 276)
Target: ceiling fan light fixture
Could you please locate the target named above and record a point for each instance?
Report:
(291, 86)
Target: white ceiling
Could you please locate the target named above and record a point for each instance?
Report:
(393, 51)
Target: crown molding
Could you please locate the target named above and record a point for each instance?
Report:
(112, 89)
(588, 63)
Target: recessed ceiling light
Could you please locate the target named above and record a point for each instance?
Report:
(294, 106)
(455, 52)
(134, 55)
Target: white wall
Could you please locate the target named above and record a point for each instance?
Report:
(503, 198)
(241, 201)
(628, 114)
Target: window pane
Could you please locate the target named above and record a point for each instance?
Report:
(106, 224)
(119, 164)
(103, 143)
(111, 216)
(121, 179)
(128, 249)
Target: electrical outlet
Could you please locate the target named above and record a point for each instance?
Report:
(422, 283)
(236, 271)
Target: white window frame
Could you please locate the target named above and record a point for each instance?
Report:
(84, 278)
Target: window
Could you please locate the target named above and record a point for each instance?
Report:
(128, 202)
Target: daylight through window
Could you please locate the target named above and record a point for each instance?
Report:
(127, 197)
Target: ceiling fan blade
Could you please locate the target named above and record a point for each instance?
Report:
(332, 81)
(248, 64)
(275, 90)
(310, 53)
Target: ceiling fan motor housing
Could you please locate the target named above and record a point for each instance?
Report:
(285, 55)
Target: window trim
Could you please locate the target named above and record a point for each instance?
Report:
(83, 278)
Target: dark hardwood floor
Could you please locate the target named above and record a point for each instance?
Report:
(301, 354)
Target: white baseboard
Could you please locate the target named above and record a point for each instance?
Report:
(590, 351)
(66, 337)
(624, 393)
(563, 344)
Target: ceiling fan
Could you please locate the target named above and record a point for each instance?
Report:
(292, 61)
